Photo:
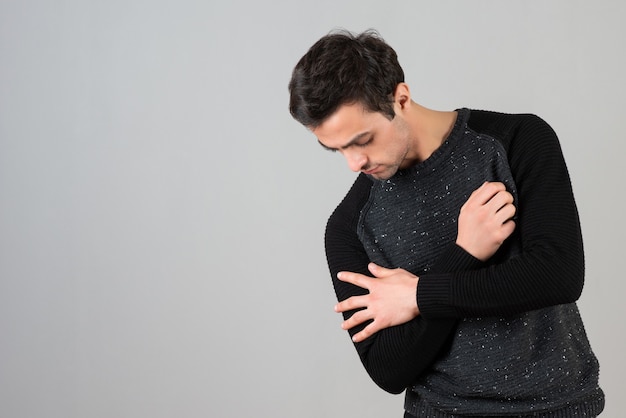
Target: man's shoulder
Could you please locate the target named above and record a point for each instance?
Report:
(508, 128)
(354, 200)
(487, 120)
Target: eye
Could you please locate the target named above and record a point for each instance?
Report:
(366, 143)
(326, 148)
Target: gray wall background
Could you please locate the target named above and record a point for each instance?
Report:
(161, 215)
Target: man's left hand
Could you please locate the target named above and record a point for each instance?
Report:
(392, 300)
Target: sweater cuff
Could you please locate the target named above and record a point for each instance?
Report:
(433, 296)
(433, 290)
(454, 259)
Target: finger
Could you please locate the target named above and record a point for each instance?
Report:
(506, 213)
(500, 199)
(508, 227)
(485, 192)
(505, 230)
(353, 302)
(356, 279)
(491, 189)
(367, 332)
(356, 319)
(379, 271)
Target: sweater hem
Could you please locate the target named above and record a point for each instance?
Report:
(590, 406)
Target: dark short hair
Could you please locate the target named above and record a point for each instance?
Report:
(344, 68)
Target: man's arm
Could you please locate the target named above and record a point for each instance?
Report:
(550, 268)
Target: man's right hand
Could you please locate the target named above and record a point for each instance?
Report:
(485, 220)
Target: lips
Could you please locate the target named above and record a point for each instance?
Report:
(372, 170)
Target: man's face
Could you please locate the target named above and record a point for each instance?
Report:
(370, 142)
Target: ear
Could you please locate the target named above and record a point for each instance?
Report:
(402, 95)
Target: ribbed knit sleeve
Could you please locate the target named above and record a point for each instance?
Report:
(550, 269)
(393, 357)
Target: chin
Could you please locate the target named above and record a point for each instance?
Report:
(384, 174)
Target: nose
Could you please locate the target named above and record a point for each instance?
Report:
(356, 160)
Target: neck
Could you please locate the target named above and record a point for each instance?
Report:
(429, 129)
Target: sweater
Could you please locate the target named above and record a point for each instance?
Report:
(502, 338)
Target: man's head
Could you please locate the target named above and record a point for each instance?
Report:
(343, 68)
(369, 141)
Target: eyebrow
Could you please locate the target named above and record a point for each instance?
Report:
(354, 140)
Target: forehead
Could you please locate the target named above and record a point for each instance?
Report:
(346, 123)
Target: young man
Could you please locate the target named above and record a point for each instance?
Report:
(457, 254)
